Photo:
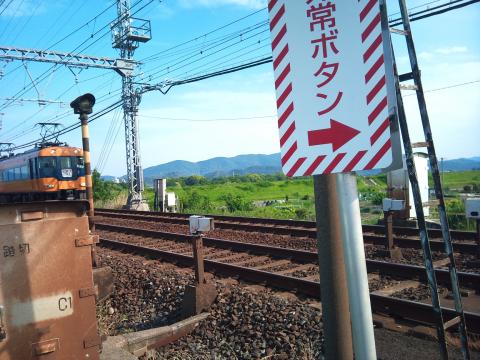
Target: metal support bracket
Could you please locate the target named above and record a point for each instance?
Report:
(3, 333)
(93, 341)
(87, 240)
(86, 292)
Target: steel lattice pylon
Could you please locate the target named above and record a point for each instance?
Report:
(126, 37)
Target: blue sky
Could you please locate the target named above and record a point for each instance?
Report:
(224, 116)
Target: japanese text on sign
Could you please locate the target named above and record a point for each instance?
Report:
(330, 79)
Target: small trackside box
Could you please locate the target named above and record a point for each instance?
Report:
(200, 224)
(393, 205)
(472, 208)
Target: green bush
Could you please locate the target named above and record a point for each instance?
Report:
(248, 187)
(301, 213)
(236, 203)
(264, 184)
(195, 180)
(196, 202)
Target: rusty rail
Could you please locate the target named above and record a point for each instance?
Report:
(288, 227)
(385, 305)
(383, 267)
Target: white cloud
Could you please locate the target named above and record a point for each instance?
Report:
(19, 8)
(425, 55)
(452, 50)
(252, 4)
(453, 111)
(200, 140)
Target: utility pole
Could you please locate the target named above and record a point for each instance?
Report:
(127, 33)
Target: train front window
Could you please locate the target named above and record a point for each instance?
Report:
(66, 166)
(47, 166)
(80, 166)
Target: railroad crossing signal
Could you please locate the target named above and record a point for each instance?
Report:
(335, 87)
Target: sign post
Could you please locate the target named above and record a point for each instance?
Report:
(336, 107)
(357, 278)
(334, 293)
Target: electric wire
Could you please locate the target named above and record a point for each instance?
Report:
(209, 120)
(263, 60)
(53, 68)
(203, 35)
(446, 87)
(108, 138)
(12, 17)
(74, 126)
(111, 147)
(6, 7)
(437, 10)
(68, 35)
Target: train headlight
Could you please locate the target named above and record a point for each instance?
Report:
(83, 184)
(49, 186)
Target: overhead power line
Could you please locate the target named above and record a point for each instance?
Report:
(436, 10)
(72, 127)
(260, 60)
(74, 52)
(448, 87)
(209, 120)
(6, 7)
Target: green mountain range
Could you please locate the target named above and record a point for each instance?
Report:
(255, 163)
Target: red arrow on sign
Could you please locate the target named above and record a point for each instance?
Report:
(338, 135)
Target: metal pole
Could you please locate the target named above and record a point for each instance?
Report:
(198, 259)
(388, 218)
(478, 238)
(156, 185)
(88, 168)
(357, 279)
(334, 294)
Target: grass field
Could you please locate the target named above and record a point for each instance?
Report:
(286, 198)
(456, 181)
(278, 197)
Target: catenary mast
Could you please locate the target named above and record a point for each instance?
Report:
(127, 33)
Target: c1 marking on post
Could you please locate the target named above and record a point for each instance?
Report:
(331, 80)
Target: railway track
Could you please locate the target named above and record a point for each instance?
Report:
(301, 224)
(381, 304)
(373, 234)
(278, 267)
(298, 256)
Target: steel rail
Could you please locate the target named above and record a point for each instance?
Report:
(300, 224)
(385, 305)
(467, 279)
(462, 247)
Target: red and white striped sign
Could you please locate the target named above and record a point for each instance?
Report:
(331, 85)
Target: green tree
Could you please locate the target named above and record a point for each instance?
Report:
(104, 190)
(195, 180)
(236, 203)
(196, 202)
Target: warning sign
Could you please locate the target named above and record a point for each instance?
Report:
(331, 79)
